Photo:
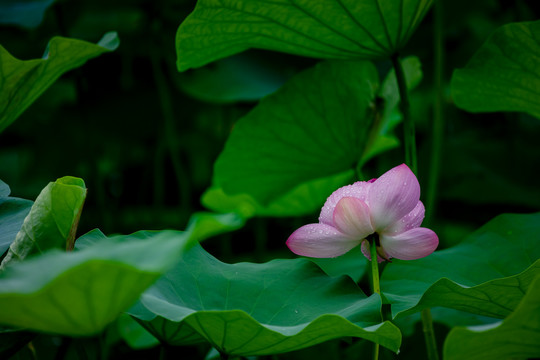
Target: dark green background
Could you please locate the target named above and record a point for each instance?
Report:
(126, 124)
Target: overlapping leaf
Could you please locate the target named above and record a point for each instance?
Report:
(486, 274)
(300, 144)
(504, 74)
(314, 127)
(516, 337)
(22, 82)
(79, 293)
(328, 29)
(12, 214)
(52, 220)
(249, 309)
(303, 199)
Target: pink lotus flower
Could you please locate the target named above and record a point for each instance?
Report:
(386, 210)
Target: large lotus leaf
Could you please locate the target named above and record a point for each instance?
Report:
(79, 293)
(327, 29)
(495, 298)
(24, 13)
(23, 81)
(314, 127)
(303, 122)
(516, 337)
(504, 74)
(52, 221)
(254, 309)
(486, 274)
(12, 214)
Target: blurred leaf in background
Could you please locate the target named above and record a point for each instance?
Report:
(503, 75)
(24, 13)
(21, 82)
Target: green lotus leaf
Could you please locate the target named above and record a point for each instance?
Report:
(504, 74)
(298, 145)
(255, 309)
(326, 29)
(314, 127)
(79, 293)
(515, 337)
(23, 81)
(303, 199)
(52, 220)
(486, 274)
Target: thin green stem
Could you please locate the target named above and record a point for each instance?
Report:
(429, 335)
(376, 283)
(376, 352)
(374, 268)
(409, 137)
(410, 159)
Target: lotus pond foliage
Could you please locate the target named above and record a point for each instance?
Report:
(277, 179)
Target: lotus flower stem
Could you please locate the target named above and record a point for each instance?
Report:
(375, 268)
(429, 335)
(410, 159)
(376, 284)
